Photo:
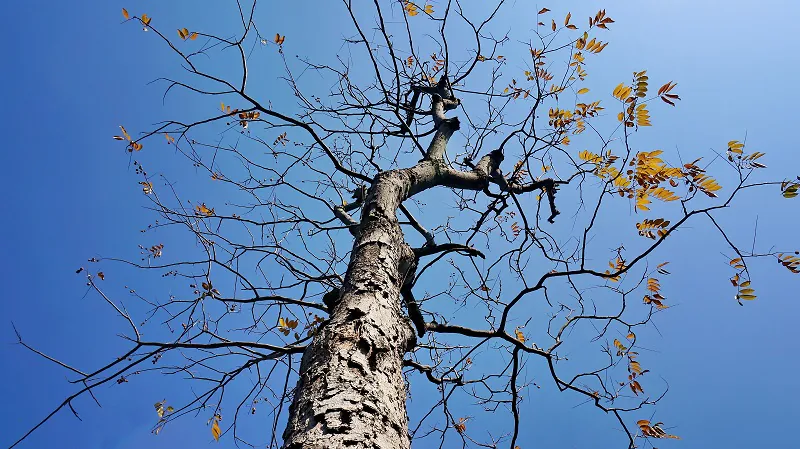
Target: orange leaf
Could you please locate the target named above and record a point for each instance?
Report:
(125, 13)
(542, 11)
(216, 432)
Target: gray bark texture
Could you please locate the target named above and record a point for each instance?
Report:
(351, 392)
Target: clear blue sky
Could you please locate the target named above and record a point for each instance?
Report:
(72, 74)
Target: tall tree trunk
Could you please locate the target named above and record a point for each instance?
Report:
(351, 392)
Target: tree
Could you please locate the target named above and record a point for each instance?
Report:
(377, 143)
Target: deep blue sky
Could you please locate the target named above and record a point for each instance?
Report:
(72, 74)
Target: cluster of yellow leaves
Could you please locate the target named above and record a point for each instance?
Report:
(281, 139)
(519, 173)
(634, 367)
(565, 120)
(314, 325)
(791, 262)
(412, 9)
(789, 189)
(145, 19)
(202, 209)
(156, 250)
(593, 45)
(560, 119)
(652, 228)
(616, 265)
(184, 34)
(147, 187)
(621, 348)
(132, 145)
(648, 171)
(161, 411)
(634, 112)
(741, 280)
(698, 179)
(654, 431)
(519, 335)
(654, 297)
(736, 154)
(516, 91)
(279, 39)
(438, 63)
(208, 290)
(604, 168)
(461, 425)
(285, 325)
(246, 117)
(600, 20)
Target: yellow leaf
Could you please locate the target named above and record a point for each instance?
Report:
(159, 408)
(204, 210)
(734, 146)
(429, 9)
(125, 13)
(215, 430)
(193, 36)
(181, 34)
(279, 39)
(146, 20)
(566, 20)
(520, 336)
(583, 91)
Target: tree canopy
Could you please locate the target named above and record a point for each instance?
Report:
(537, 206)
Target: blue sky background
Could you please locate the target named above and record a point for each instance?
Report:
(73, 74)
